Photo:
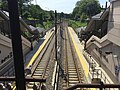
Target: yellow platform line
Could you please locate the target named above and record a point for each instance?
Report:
(83, 63)
(14, 88)
(38, 51)
(36, 54)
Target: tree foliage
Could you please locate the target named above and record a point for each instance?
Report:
(3, 5)
(85, 8)
(28, 10)
(22, 3)
(35, 11)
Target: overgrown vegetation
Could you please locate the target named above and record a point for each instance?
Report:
(76, 24)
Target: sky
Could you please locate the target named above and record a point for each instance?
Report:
(65, 6)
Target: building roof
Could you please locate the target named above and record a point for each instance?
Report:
(3, 15)
(32, 28)
(97, 16)
(40, 29)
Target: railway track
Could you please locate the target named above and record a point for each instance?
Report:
(72, 70)
(42, 68)
(67, 66)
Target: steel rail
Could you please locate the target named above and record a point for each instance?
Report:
(74, 58)
(66, 58)
(51, 56)
(72, 64)
(42, 55)
(40, 61)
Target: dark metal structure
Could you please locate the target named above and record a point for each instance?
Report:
(100, 86)
(56, 34)
(27, 79)
(17, 45)
(57, 67)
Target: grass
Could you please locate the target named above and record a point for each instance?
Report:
(47, 24)
(76, 24)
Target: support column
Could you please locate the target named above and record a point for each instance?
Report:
(16, 44)
(55, 34)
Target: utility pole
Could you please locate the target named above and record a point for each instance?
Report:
(106, 5)
(16, 44)
(55, 34)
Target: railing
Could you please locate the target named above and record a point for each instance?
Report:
(100, 86)
(5, 29)
(7, 68)
(6, 82)
(94, 71)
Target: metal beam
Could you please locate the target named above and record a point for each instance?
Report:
(101, 86)
(27, 79)
(17, 44)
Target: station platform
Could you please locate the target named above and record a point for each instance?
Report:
(84, 62)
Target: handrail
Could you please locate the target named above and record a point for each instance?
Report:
(100, 86)
(7, 64)
(91, 60)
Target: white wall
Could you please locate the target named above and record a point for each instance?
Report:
(6, 47)
(114, 23)
(109, 43)
(109, 61)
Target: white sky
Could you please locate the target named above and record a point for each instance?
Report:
(65, 6)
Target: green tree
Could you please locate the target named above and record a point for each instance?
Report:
(22, 4)
(51, 13)
(87, 8)
(75, 12)
(35, 11)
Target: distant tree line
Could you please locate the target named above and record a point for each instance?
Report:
(30, 11)
(83, 9)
